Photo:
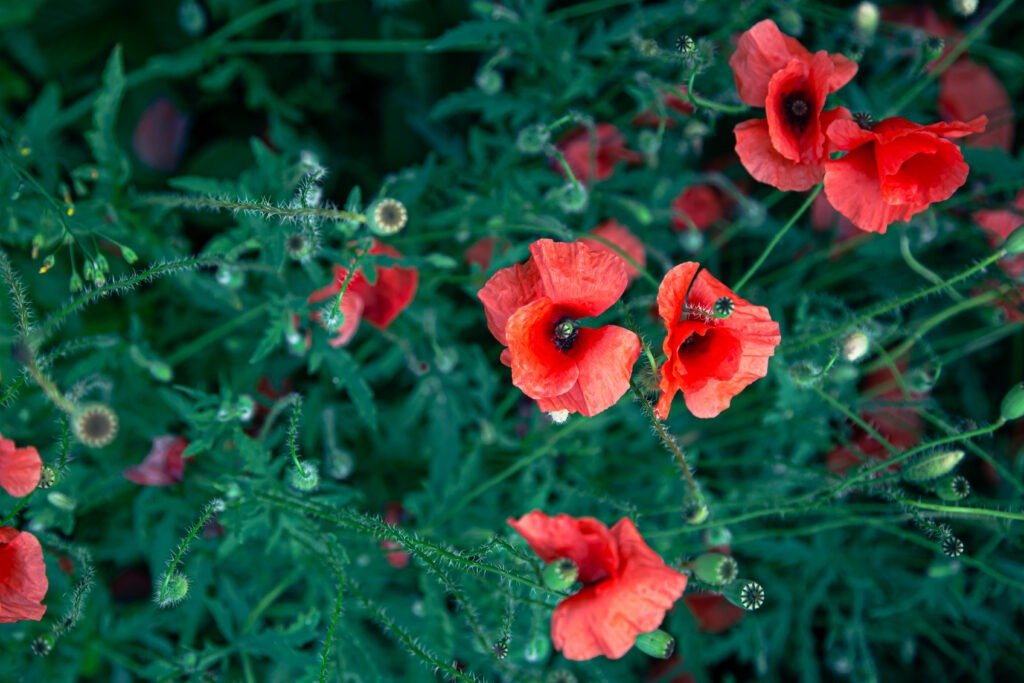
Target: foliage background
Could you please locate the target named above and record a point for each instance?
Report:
(856, 587)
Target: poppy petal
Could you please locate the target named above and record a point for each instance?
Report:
(605, 359)
(505, 292)
(760, 52)
(578, 277)
(584, 540)
(20, 468)
(539, 368)
(393, 291)
(766, 165)
(854, 189)
(23, 582)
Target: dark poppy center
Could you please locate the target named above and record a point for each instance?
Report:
(565, 333)
(798, 111)
(97, 425)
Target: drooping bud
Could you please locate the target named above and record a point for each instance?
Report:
(855, 346)
(715, 568)
(533, 139)
(865, 18)
(745, 593)
(696, 511)
(95, 425)
(560, 574)
(129, 255)
(386, 217)
(717, 536)
(61, 501)
(953, 488)
(1012, 406)
(339, 463)
(538, 648)
(174, 591)
(656, 644)
(572, 198)
(804, 372)
(932, 465)
(306, 479)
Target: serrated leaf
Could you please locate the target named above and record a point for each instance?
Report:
(101, 138)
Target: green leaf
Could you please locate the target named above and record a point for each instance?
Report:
(101, 138)
(346, 370)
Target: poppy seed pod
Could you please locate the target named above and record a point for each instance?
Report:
(932, 465)
(43, 645)
(656, 644)
(1012, 406)
(953, 488)
(387, 216)
(746, 594)
(715, 568)
(560, 574)
(95, 425)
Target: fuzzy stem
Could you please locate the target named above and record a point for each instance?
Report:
(701, 103)
(778, 236)
(669, 442)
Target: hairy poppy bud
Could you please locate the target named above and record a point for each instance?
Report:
(965, 8)
(855, 346)
(538, 648)
(305, 479)
(339, 463)
(717, 536)
(696, 511)
(1012, 406)
(559, 416)
(489, 80)
(174, 591)
(572, 198)
(1014, 244)
(298, 246)
(865, 17)
(746, 594)
(560, 574)
(656, 644)
(61, 502)
(804, 372)
(953, 488)
(229, 277)
(386, 217)
(95, 425)
(533, 139)
(715, 568)
(932, 465)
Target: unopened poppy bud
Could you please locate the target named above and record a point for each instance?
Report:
(717, 536)
(715, 568)
(48, 263)
(941, 569)
(305, 479)
(1012, 406)
(560, 574)
(175, 590)
(724, 307)
(47, 477)
(339, 463)
(298, 246)
(538, 648)
(572, 198)
(746, 594)
(648, 47)
(95, 425)
(489, 80)
(1014, 244)
(656, 644)
(533, 139)
(932, 465)
(43, 645)
(932, 48)
(855, 346)
(692, 241)
(965, 8)
(922, 380)
(804, 372)
(61, 502)
(232, 278)
(696, 512)
(649, 143)
(865, 18)
(387, 216)
(953, 488)
(75, 283)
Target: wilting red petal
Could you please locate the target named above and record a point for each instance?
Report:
(23, 582)
(20, 468)
(595, 156)
(700, 205)
(968, 89)
(620, 236)
(539, 369)
(163, 466)
(604, 357)
(766, 165)
(508, 290)
(579, 278)
(391, 293)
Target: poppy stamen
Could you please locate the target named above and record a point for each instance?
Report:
(797, 110)
(566, 331)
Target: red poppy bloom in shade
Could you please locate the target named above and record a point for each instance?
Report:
(701, 205)
(23, 580)
(710, 359)
(395, 555)
(624, 239)
(379, 303)
(678, 103)
(590, 161)
(159, 137)
(627, 587)
(999, 224)
(534, 309)
(20, 468)
(968, 90)
(714, 614)
(774, 71)
(895, 169)
(163, 466)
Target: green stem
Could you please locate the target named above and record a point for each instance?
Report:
(188, 350)
(963, 511)
(920, 268)
(701, 103)
(284, 212)
(778, 236)
(670, 443)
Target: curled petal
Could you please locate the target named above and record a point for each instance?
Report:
(853, 188)
(760, 52)
(20, 468)
(766, 165)
(508, 290)
(539, 368)
(584, 540)
(23, 582)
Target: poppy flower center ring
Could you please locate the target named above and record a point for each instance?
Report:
(565, 333)
(797, 109)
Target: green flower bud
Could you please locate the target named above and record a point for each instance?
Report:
(855, 346)
(932, 48)
(866, 18)
(804, 372)
(715, 568)
(174, 591)
(696, 512)
(129, 255)
(62, 502)
(1012, 406)
(953, 488)
(656, 644)
(1014, 244)
(572, 198)
(75, 283)
(932, 465)
(489, 81)
(560, 574)
(746, 594)
(305, 479)
(538, 648)
(533, 139)
(717, 536)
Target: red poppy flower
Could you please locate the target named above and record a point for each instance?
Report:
(20, 468)
(379, 303)
(895, 169)
(159, 136)
(968, 90)
(714, 614)
(627, 588)
(999, 224)
(624, 239)
(679, 103)
(395, 555)
(699, 205)
(774, 71)
(23, 581)
(163, 466)
(535, 308)
(710, 359)
(595, 157)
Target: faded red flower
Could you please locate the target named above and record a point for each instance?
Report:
(535, 308)
(968, 90)
(999, 224)
(395, 555)
(163, 465)
(23, 580)
(624, 239)
(159, 137)
(714, 614)
(699, 205)
(595, 157)
(482, 252)
(678, 103)
(379, 303)
(20, 468)
(627, 587)
(895, 169)
(708, 358)
(773, 71)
